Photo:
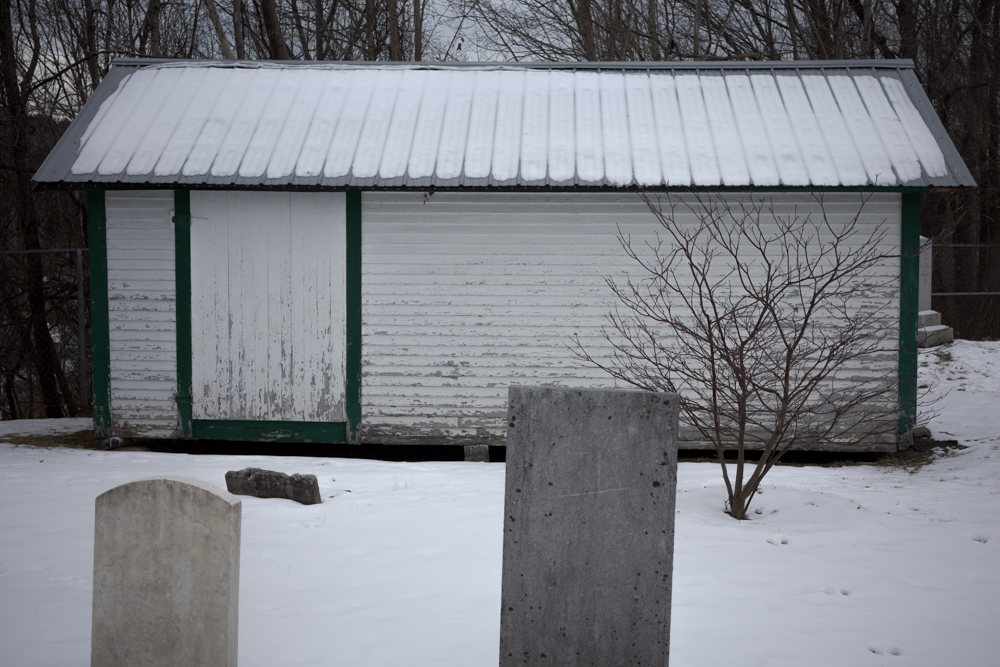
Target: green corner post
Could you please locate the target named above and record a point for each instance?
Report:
(182, 273)
(100, 325)
(909, 277)
(352, 383)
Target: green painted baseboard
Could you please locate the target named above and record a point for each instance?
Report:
(254, 431)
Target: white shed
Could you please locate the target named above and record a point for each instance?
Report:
(349, 252)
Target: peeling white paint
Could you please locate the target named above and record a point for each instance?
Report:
(465, 294)
(142, 312)
(268, 305)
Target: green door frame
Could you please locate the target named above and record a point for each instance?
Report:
(909, 281)
(100, 321)
(268, 431)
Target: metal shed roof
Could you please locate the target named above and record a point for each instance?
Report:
(432, 126)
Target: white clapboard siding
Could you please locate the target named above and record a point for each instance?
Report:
(465, 294)
(268, 305)
(142, 312)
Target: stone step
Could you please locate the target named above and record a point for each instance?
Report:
(934, 335)
(928, 318)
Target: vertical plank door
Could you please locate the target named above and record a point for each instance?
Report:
(268, 306)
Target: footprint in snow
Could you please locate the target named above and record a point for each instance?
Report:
(884, 648)
(836, 590)
(778, 540)
(980, 538)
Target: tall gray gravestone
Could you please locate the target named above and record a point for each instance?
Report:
(588, 527)
(166, 575)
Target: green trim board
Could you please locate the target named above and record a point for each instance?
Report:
(352, 381)
(909, 278)
(182, 273)
(263, 431)
(100, 324)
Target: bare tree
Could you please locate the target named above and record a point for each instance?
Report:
(769, 326)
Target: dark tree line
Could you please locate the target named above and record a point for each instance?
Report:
(53, 54)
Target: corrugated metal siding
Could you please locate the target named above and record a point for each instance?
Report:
(268, 305)
(326, 125)
(466, 294)
(143, 322)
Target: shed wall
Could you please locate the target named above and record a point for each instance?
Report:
(142, 312)
(465, 294)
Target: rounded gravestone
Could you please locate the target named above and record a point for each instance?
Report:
(166, 575)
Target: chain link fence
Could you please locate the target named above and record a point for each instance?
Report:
(965, 289)
(44, 334)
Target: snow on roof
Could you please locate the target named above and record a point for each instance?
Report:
(217, 124)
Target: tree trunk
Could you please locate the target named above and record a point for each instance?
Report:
(654, 32)
(241, 52)
(227, 51)
(418, 30)
(395, 53)
(320, 29)
(300, 28)
(907, 29)
(585, 24)
(276, 41)
(21, 207)
(90, 33)
(370, 29)
(153, 20)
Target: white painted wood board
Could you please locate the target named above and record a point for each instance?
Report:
(268, 305)
(142, 312)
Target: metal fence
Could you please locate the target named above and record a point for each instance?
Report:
(26, 356)
(965, 289)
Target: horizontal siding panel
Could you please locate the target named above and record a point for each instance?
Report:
(130, 340)
(167, 355)
(142, 312)
(167, 386)
(128, 262)
(125, 277)
(465, 294)
(144, 370)
(149, 397)
(135, 257)
(120, 305)
(142, 315)
(130, 294)
(126, 245)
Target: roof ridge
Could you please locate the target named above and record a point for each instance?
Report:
(487, 65)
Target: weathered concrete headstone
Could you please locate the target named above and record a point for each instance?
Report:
(166, 575)
(588, 527)
(926, 274)
(270, 484)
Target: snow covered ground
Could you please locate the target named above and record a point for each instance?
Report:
(842, 566)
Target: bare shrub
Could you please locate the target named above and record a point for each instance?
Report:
(774, 329)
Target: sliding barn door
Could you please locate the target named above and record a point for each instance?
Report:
(268, 306)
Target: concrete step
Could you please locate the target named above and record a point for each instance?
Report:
(928, 318)
(934, 335)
